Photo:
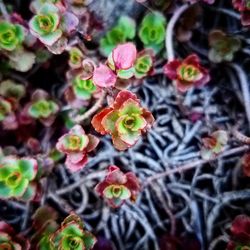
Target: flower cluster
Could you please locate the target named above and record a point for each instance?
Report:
(240, 231)
(214, 144)
(187, 73)
(118, 187)
(76, 145)
(125, 120)
(17, 178)
(222, 46)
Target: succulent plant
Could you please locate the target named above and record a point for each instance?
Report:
(17, 178)
(71, 235)
(118, 187)
(51, 24)
(187, 73)
(5, 108)
(240, 231)
(11, 36)
(152, 31)
(42, 107)
(76, 145)
(119, 65)
(143, 65)
(244, 7)
(222, 46)
(10, 240)
(214, 144)
(125, 120)
(83, 89)
(121, 33)
(12, 90)
(75, 58)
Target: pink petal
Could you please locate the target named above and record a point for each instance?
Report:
(75, 157)
(73, 167)
(93, 142)
(124, 56)
(122, 97)
(104, 77)
(170, 69)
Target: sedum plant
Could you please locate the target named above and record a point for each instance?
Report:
(10, 240)
(244, 7)
(152, 31)
(51, 25)
(240, 231)
(118, 187)
(121, 33)
(83, 89)
(5, 109)
(11, 36)
(143, 65)
(42, 108)
(214, 144)
(125, 120)
(76, 145)
(187, 73)
(75, 58)
(17, 178)
(222, 46)
(72, 235)
(119, 66)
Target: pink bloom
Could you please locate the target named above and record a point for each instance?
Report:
(187, 73)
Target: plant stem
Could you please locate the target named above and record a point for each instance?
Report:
(91, 111)
(194, 164)
(244, 88)
(4, 11)
(170, 31)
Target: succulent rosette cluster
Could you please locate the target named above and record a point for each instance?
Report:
(240, 233)
(124, 31)
(152, 31)
(53, 25)
(11, 36)
(214, 144)
(76, 145)
(10, 240)
(17, 178)
(244, 7)
(143, 65)
(119, 65)
(42, 107)
(72, 235)
(223, 47)
(118, 187)
(125, 120)
(187, 73)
